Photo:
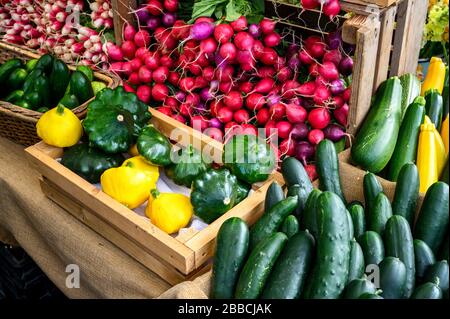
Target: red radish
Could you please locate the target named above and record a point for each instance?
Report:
(338, 101)
(299, 131)
(208, 73)
(266, 72)
(313, 69)
(264, 85)
(144, 93)
(245, 57)
(272, 39)
(332, 8)
(334, 56)
(214, 122)
(154, 7)
(166, 61)
(277, 111)
(228, 51)
(114, 51)
(289, 89)
(116, 67)
(310, 4)
(160, 92)
(269, 56)
(128, 88)
(171, 102)
(214, 133)
(200, 82)
(287, 147)
(165, 110)
(174, 78)
(315, 136)
(255, 30)
(321, 94)
(296, 113)
(346, 95)
(233, 100)
(199, 123)
(334, 132)
(241, 116)
(317, 50)
(208, 45)
(243, 41)
(319, 118)
(267, 25)
(187, 84)
(346, 66)
(270, 128)
(230, 126)
(337, 87)
(201, 30)
(255, 101)
(341, 114)
(134, 79)
(141, 53)
(329, 71)
(185, 110)
(284, 74)
(161, 74)
(311, 171)
(145, 75)
(273, 98)
(204, 19)
(246, 87)
(305, 57)
(225, 115)
(215, 106)
(151, 60)
(192, 99)
(171, 5)
(142, 38)
(135, 64)
(284, 128)
(240, 24)
(262, 117)
(128, 32)
(180, 118)
(257, 49)
(223, 33)
(321, 81)
(225, 87)
(195, 69)
(249, 129)
(304, 151)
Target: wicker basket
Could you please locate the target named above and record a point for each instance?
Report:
(19, 124)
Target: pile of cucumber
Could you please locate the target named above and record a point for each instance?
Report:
(312, 244)
(43, 83)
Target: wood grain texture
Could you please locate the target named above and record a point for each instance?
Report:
(122, 9)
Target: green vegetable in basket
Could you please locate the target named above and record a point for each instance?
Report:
(70, 101)
(87, 71)
(213, 194)
(16, 79)
(59, 79)
(45, 63)
(89, 162)
(14, 96)
(97, 86)
(8, 67)
(24, 104)
(81, 86)
(31, 64)
(154, 146)
(115, 119)
(42, 109)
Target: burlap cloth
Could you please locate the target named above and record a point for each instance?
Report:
(55, 239)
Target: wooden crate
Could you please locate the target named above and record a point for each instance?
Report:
(174, 259)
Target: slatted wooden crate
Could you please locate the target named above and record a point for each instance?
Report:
(174, 259)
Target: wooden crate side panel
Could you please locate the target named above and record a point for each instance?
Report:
(122, 9)
(137, 227)
(365, 34)
(381, 3)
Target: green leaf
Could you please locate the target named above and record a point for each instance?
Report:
(204, 8)
(232, 12)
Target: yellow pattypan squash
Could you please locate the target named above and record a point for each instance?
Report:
(133, 150)
(169, 211)
(129, 186)
(139, 163)
(59, 127)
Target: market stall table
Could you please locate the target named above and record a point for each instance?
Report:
(55, 239)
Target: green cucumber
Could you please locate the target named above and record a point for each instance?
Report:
(340, 145)
(358, 218)
(357, 265)
(379, 214)
(42, 109)
(406, 193)
(371, 188)
(291, 269)
(59, 79)
(33, 98)
(87, 71)
(351, 231)
(296, 190)
(408, 137)
(399, 243)
(16, 79)
(370, 296)
(327, 167)
(310, 214)
(14, 96)
(438, 270)
(444, 250)
(410, 90)
(295, 174)
(31, 64)
(259, 265)
(231, 251)
(81, 86)
(424, 258)
(445, 173)
(24, 104)
(434, 107)
(274, 195)
(270, 222)
(372, 247)
(7, 68)
(290, 226)
(70, 101)
(433, 220)
(392, 278)
(429, 290)
(45, 63)
(358, 287)
(371, 149)
(28, 86)
(331, 269)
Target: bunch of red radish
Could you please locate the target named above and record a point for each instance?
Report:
(229, 79)
(331, 8)
(101, 14)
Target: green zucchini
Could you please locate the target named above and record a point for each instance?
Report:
(406, 193)
(16, 79)
(81, 86)
(70, 101)
(358, 218)
(87, 71)
(331, 269)
(31, 64)
(358, 287)
(444, 250)
(259, 265)
(410, 90)
(14, 96)
(392, 278)
(270, 222)
(24, 104)
(290, 226)
(310, 214)
(408, 137)
(371, 188)
(295, 174)
(433, 220)
(371, 149)
(424, 258)
(274, 195)
(59, 79)
(429, 290)
(357, 265)
(7, 68)
(231, 251)
(42, 109)
(434, 107)
(327, 167)
(28, 86)
(399, 243)
(379, 214)
(291, 269)
(372, 247)
(370, 296)
(438, 270)
(45, 63)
